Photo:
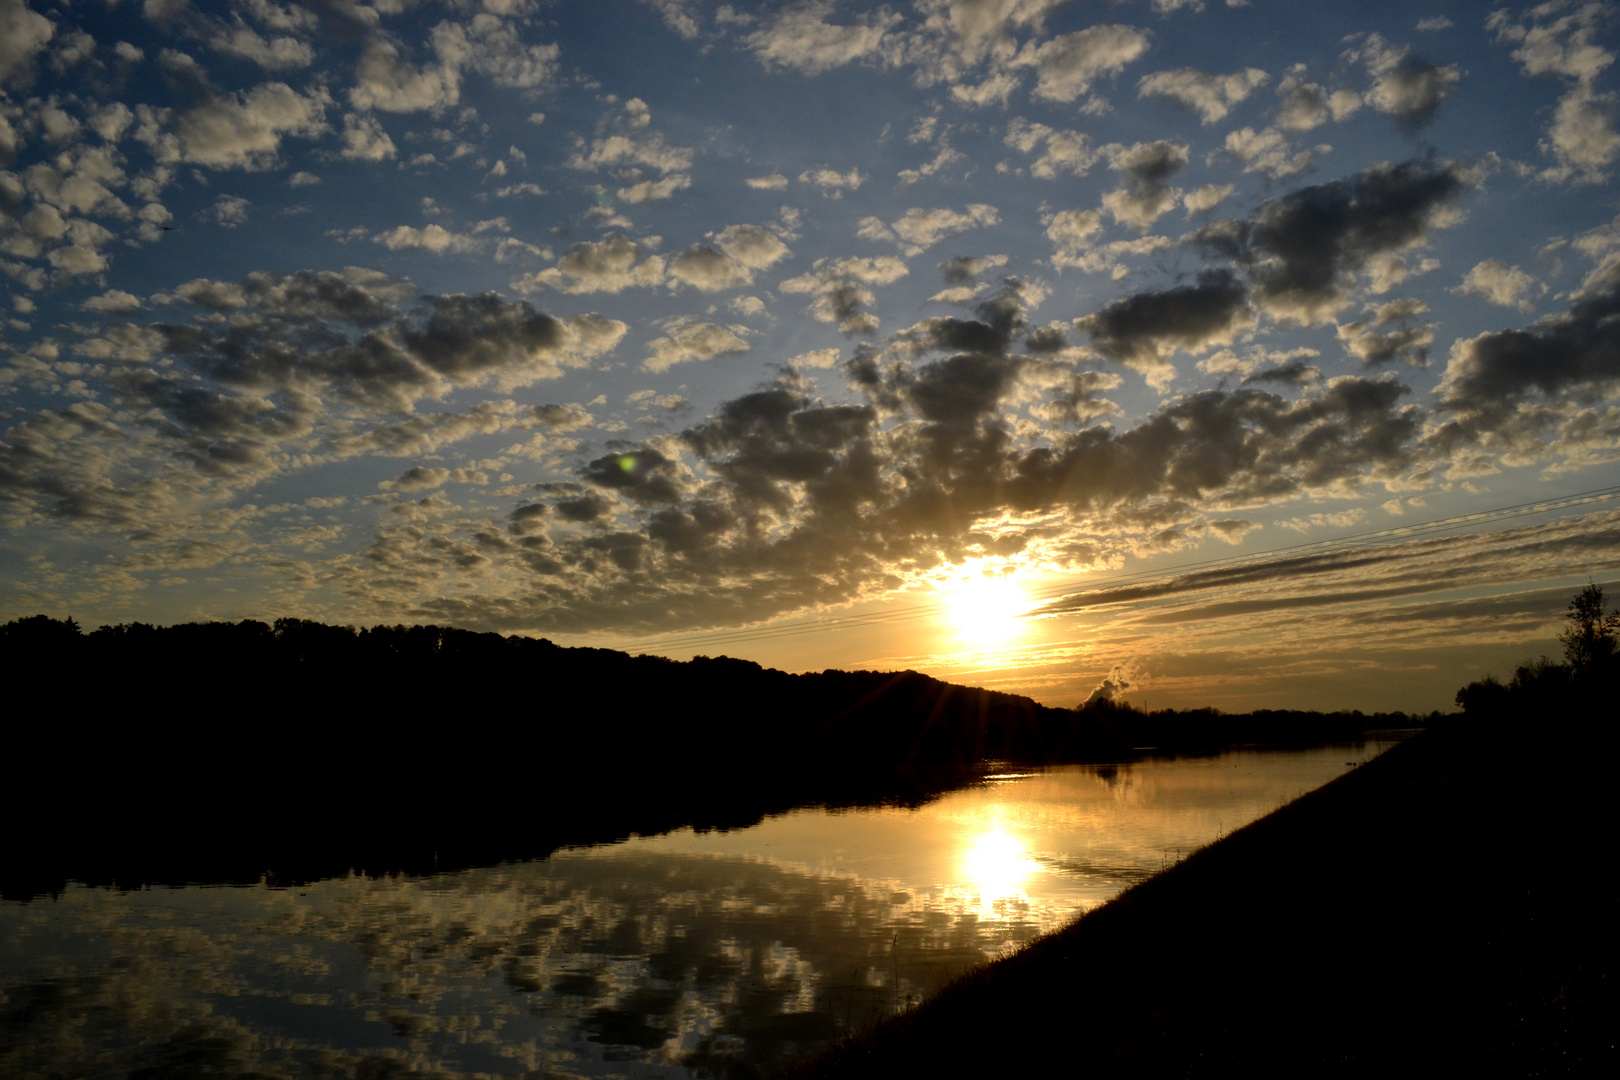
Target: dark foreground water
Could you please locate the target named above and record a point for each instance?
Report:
(718, 953)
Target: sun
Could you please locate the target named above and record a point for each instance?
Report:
(986, 610)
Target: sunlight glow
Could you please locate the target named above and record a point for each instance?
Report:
(996, 865)
(985, 610)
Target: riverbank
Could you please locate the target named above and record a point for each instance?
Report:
(1443, 909)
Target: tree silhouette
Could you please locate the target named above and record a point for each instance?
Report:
(1589, 639)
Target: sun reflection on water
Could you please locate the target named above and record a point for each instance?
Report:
(995, 865)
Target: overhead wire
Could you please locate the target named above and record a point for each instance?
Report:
(1106, 580)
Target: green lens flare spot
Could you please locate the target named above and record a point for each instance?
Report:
(628, 463)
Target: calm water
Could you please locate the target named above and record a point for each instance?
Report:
(656, 957)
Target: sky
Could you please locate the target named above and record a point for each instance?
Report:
(1054, 346)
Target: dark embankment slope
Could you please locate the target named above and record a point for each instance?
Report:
(1444, 910)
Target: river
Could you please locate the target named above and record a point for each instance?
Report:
(675, 955)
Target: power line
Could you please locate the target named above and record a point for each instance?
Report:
(1099, 583)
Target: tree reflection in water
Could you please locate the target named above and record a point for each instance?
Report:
(719, 952)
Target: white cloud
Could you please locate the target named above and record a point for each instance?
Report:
(113, 302)
(1210, 96)
(1582, 137)
(1404, 86)
(1068, 64)
(608, 265)
(1269, 152)
(688, 339)
(435, 239)
(1065, 151)
(233, 131)
(802, 38)
(651, 190)
(229, 211)
(1500, 284)
(23, 33)
(273, 54)
(385, 80)
(1206, 198)
(773, 182)
(831, 182)
(920, 229)
(364, 139)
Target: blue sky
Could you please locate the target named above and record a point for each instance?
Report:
(622, 322)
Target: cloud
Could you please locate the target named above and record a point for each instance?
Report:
(1493, 381)
(677, 16)
(832, 182)
(23, 34)
(620, 149)
(651, 190)
(1307, 105)
(1201, 200)
(487, 44)
(1582, 138)
(771, 182)
(1558, 41)
(688, 339)
(1066, 151)
(233, 131)
(841, 289)
(1146, 196)
(802, 39)
(273, 54)
(363, 140)
(920, 229)
(1068, 64)
(228, 211)
(417, 479)
(1210, 96)
(1406, 87)
(1071, 233)
(1387, 333)
(1269, 152)
(608, 265)
(1499, 283)
(739, 251)
(1304, 249)
(1143, 330)
(113, 302)
(435, 239)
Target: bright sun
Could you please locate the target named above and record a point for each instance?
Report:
(986, 610)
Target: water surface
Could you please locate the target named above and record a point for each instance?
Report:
(712, 953)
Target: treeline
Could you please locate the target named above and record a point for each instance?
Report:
(1547, 692)
(223, 751)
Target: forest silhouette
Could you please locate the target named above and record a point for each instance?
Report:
(231, 752)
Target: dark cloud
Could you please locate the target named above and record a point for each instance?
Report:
(639, 473)
(1304, 249)
(1493, 380)
(1295, 372)
(1143, 330)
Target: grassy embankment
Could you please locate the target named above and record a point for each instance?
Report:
(1443, 910)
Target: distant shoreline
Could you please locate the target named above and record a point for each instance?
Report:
(1440, 910)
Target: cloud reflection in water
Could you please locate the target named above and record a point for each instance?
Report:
(662, 954)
